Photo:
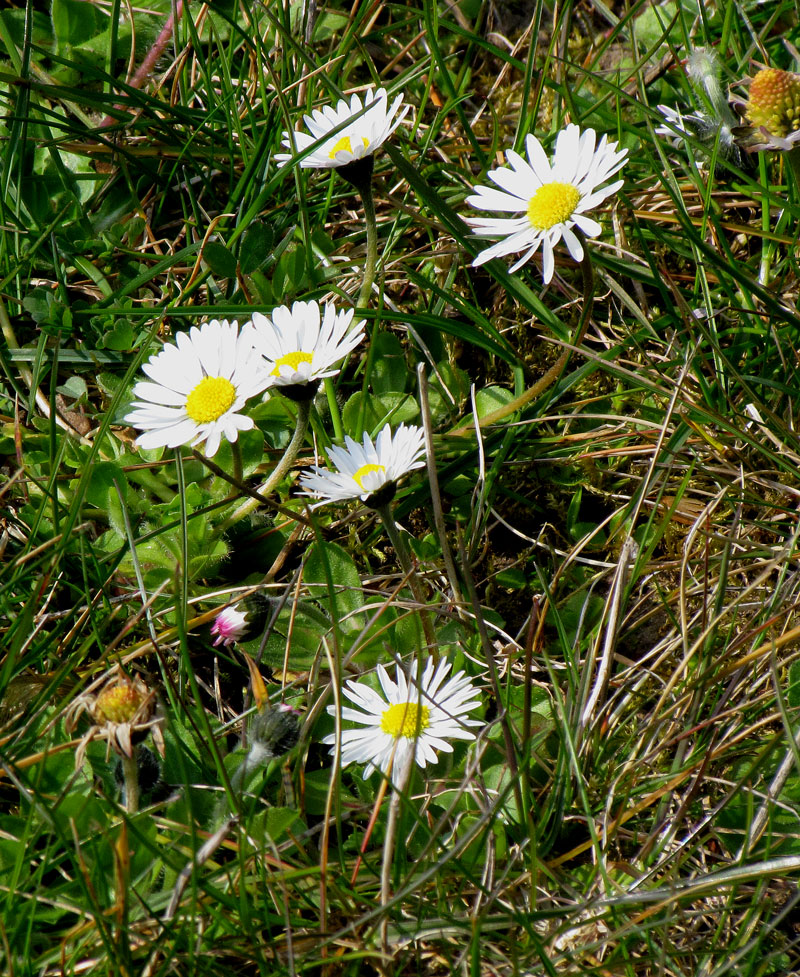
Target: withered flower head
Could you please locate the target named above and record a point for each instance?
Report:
(119, 703)
(123, 710)
(773, 110)
(774, 101)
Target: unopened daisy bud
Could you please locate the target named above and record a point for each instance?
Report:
(271, 732)
(118, 703)
(275, 730)
(774, 101)
(242, 621)
(704, 71)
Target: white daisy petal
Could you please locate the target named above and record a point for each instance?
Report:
(525, 258)
(363, 469)
(548, 261)
(299, 346)
(574, 246)
(155, 393)
(345, 133)
(550, 198)
(500, 226)
(412, 720)
(199, 386)
(488, 198)
(537, 158)
(589, 227)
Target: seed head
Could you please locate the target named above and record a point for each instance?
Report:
(774, 101)
(118, 703)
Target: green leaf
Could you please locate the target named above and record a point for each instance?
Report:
(75, 388)
(74, 21)
(390, 371)
(290, 272)
(119, 337)
(793, 688)
(101, 484)
(219, 259)
(390, 408)
(512, 578)
(38, 304)
(255, 248)
(332, 579)
(276, 821)
(491, 399)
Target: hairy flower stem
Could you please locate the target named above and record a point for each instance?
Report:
(236, 452)
(280, 470)
(410, 572)
(130, 778)
(371, 263)
(147, 67)
(557, 368)
(398, 788)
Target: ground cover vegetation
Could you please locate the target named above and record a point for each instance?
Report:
(400, 485)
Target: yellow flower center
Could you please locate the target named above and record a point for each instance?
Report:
(552, 204)
(365, 470)
(293, 360)
(344, 145)
(405, 719)
(210, 399)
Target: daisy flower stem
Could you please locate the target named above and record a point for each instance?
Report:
(388, 847)
(368, 200)
(236, 452)
(373, 820)
(403, 555)
(333, 406)
(130, 776)
(557, 368)
(280, 470)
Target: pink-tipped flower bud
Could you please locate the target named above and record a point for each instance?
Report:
(241, 621)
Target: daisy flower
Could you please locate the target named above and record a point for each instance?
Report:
(198, 388)
(300, 346)
(367, 468)
(408, 723)
(346, 133)
(548, 199)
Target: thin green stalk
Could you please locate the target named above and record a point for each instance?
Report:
(793, 159)
(398, 788)
(280, 470)
(371, 263)
(333, 406)
(410, 572)
(236, 452)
